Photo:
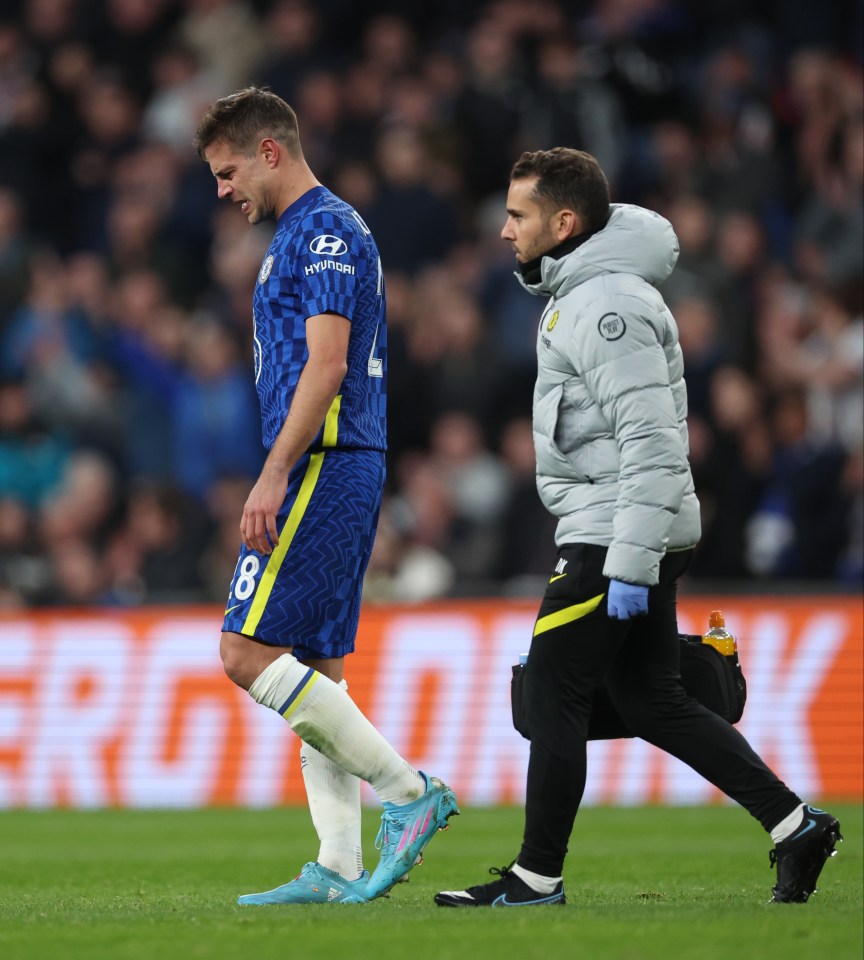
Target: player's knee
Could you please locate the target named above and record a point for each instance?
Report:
(234, 660)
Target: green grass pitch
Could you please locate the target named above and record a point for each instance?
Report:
(642, 884)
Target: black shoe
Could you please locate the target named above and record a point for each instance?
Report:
(508, 891)
(800, 858)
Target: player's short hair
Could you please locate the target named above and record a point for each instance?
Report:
(242, 119)
(567, 178)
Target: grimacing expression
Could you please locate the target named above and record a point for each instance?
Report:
(529, 225)
(242, 179)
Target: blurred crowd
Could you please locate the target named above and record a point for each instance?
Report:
(129, 429)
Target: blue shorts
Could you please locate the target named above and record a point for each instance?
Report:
(306, 593)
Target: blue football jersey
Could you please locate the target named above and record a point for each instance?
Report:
(322, 259)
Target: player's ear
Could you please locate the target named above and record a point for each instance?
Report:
(270, 151)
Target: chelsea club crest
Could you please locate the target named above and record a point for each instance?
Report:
(266, 267)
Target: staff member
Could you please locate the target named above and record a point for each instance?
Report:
(610, 434)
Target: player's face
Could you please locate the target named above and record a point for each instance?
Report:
(528, 226)
(241, 179)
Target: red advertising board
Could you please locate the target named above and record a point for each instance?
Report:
(132, 709)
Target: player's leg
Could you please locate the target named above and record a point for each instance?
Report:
(333, 795)
(571, 649)
(244, 659)
(325, 717)
(322, 714)
(645, 686)
(313, 606)
(332, 792)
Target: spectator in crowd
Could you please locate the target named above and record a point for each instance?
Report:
(32, 459)
(478, 485)
(414, 559)
(24, 572)
(155, 555)
(214, 401)
(126, 35)
(851, 566)
(85, 504)
(730, 457)
(204, 26)
(745, 129)
(526, 529)
(489, 105)
(800, 526)
(50, 342)
(77, 576)
(143, 348)
(15, 254)
(182, 90)
(415, 225)
(403, 569)
(571, 106)
(295, 46)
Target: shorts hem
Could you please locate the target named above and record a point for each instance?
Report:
(300, 651)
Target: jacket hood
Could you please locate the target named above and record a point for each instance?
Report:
(635, 241)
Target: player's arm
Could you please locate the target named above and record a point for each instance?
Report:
(327, 341)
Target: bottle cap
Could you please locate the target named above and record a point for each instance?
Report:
(716, 619)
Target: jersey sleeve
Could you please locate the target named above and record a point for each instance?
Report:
(329, 260)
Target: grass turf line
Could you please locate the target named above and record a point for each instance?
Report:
(642, 884)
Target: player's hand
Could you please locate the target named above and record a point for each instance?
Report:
(258, 523)
(626, 600)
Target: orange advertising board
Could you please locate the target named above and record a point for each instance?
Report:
(132, 709)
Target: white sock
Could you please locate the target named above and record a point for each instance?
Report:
(334, 802)
(788, 825)
(325, 717)
(536, 881)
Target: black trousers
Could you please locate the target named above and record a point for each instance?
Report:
(577, 648)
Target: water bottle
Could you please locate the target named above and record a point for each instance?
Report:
(718, 636)
(518, 667)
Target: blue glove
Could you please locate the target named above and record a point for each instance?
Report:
(626, 600)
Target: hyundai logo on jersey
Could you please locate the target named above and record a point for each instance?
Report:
(328, 245)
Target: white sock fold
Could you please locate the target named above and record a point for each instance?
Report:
(788, 825)
(322, 714)
(536, 881)
(334, 802)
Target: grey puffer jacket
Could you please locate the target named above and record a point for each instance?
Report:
(610, 404)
